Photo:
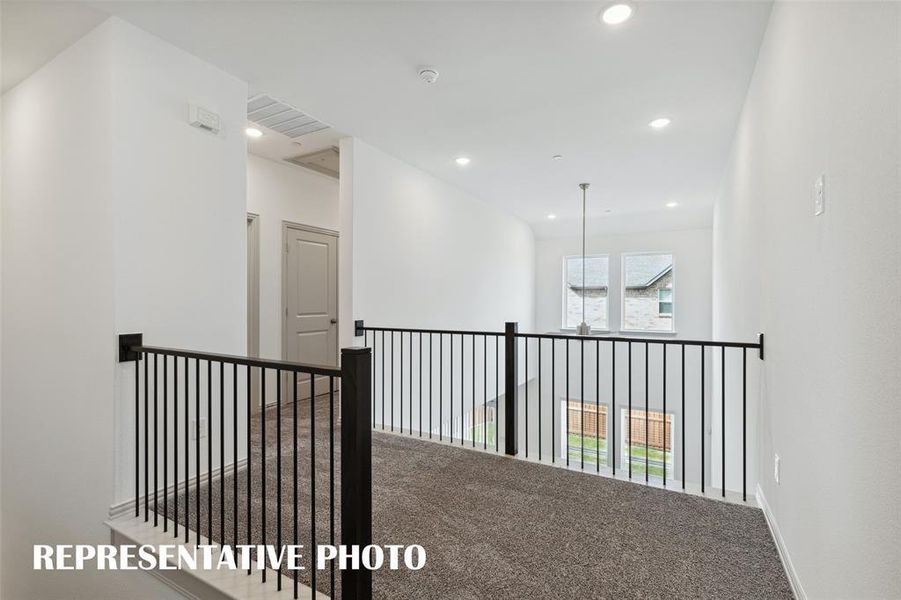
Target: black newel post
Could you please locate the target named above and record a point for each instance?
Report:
(356, 465)
(511, 378)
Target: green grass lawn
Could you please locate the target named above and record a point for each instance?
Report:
(477, 433)
(591, 446)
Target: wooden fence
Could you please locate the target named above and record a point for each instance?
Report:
(594, 414)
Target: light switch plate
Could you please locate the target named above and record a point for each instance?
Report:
(819, 196)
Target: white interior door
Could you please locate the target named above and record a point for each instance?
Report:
(310, 285)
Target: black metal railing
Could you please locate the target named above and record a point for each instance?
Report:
(437, 384)
(625, 406)
(178, 397)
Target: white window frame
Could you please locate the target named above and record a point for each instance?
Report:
(670, 302)
(622, 294)
(624, 457)
(564, 286)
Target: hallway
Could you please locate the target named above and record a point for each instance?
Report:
(495, 527)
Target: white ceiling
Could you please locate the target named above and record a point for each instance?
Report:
(519, 82)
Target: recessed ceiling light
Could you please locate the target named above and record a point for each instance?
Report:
(557, 157)
(616, 14)
(552, 216)
(672, 204)
(253, 132)
(659, 123)
(462, 160)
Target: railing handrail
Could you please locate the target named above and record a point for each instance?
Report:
(432, 331)
(758, 345)
(642, 340)
(265, 363)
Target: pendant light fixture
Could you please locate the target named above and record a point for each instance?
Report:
(584, 328)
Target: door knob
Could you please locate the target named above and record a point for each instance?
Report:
(333, 321)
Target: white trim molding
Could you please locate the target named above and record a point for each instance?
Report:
(126, 508)
(793, 578)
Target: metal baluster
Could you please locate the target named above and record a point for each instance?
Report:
(597, 407)
(187, 451)
(484, 392)
(723, 419)
(431, 387)
(630, 411)
(294, 467)
(440, 387)
(410, 397)
(684, 471)
(278, 470)
(497, 379)
(401, 382)
(263, 460)
(156, 441)
(451, 381)
(462, 389)
(383, 381)
(566, 414)
(665, 416)
(235, 449)
(540, 404)
(703, 435)
(472, 417)
(553, 400)
(582, 401)
(611, 447)
(197, 444)
(138, 435)
(647, 411)
(420, 384)
(249, 384)
(221, 452)
(526, 344)
(744, 424)
(331, 463)
(165, 443)
(175, 443)
(392, 377)
(209, 450)
(313, 480)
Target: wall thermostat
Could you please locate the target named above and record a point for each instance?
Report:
(203, 118)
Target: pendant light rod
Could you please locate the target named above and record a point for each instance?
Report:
(584, 327)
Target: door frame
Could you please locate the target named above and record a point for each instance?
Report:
(253, 300)
(286, 227)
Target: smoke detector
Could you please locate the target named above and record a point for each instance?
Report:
(428, 74)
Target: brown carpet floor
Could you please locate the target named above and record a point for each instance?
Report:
(495, 527)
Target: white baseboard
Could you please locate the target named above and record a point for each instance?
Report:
(793, 578)
(127, 507)
(196, 584)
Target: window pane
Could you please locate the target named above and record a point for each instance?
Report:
(648, 292)
(586, 431)
(648, 443)
(593, 291)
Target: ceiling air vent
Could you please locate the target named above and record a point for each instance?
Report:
(321, 161)
(285, 119)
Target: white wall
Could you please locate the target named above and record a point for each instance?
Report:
(691, 250)
(427, 254)
(825, 98)
(278, 193)
(116, 216)
(179, 197)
